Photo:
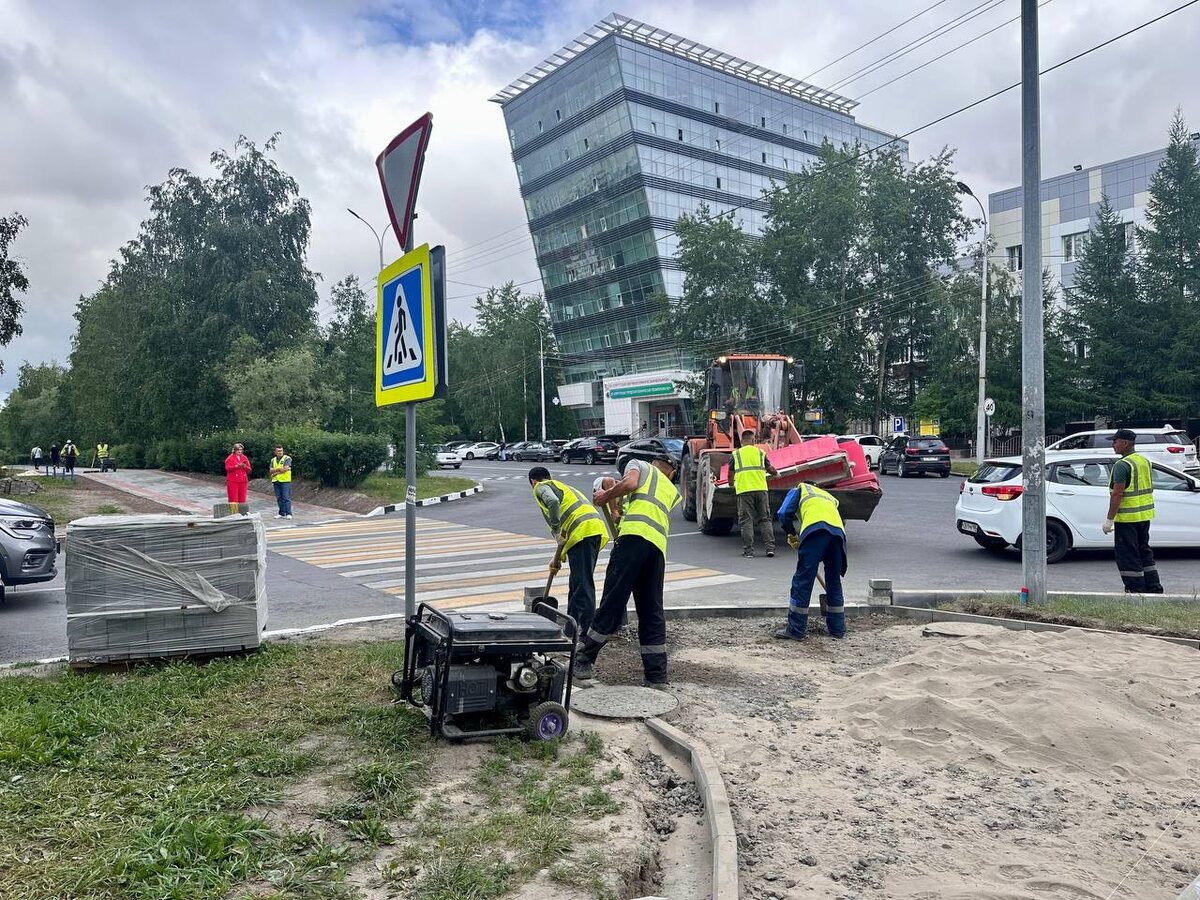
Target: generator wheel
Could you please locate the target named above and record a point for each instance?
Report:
(546, 721)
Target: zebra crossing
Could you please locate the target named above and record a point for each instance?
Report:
(458, 566)
(522, 476)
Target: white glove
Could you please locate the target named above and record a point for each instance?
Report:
(1107, 527)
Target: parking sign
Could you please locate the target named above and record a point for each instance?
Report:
(898, 425)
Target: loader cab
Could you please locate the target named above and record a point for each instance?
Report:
(756, 386)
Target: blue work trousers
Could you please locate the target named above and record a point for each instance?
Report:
(283, 497)
(819, 547)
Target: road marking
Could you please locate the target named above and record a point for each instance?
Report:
(457, 565)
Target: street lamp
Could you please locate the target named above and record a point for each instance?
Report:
(378, 237)
(981, 429)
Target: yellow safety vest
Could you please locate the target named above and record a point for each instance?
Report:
(102, 451)
(816, 505)
(1137, 503)
(749, 469)
(648, 511)
(278, 473)
(577, 518)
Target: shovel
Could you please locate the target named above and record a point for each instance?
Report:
(531, 595)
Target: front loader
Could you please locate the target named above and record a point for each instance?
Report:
(751, 391)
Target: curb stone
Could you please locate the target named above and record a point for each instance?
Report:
(428, 501)
(722, 838)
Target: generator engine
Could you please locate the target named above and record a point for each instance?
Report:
(480, 674)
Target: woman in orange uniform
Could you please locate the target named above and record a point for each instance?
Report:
(237, 474)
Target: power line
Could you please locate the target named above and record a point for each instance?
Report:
(877, 37)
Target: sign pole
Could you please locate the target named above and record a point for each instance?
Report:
(410, 495)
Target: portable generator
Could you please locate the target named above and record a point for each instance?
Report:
(482, 674)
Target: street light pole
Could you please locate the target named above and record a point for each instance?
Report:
(378, 237)
(1033, 398)
(542, 360)
(981, 429)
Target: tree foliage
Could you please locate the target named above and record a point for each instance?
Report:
(13, 281)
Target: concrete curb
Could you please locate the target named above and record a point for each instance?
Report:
(722, 838)
(927, 598)
(428, 501)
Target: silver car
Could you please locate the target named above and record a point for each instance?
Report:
(28, 551)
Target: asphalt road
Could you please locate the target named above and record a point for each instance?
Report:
(911, 539)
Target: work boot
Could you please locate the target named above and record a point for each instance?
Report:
(785, 634)
(583, 669)
(748, 553)
(770, 552)
(657, 685)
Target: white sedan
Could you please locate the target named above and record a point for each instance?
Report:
(448, 459)
(989, 504)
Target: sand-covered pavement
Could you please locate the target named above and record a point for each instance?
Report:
(1002, 766)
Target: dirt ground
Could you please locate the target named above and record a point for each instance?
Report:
(998, 765)
(1005, 766)
(67, 500)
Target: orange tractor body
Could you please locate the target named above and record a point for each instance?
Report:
(751, 392)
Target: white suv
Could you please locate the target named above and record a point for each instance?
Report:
(989, 504)
(872, 446)
(1165, 445)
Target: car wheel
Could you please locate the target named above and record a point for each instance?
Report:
(901, 472)
(459, 466)
(945, 474)
(470, 456)
(990, 543)
(591, 459)
(1058, 541)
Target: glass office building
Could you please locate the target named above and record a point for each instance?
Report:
(617, 135)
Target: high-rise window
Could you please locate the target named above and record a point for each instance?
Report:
(1073, 245)
(1014, 258)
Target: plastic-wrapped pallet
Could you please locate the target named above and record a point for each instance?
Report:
(152, 586)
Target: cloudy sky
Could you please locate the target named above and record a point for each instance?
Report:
(98, 100)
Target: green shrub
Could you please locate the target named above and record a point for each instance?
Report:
(129, 456)
(336, 460)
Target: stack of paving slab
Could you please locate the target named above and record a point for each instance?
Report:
(144, 587)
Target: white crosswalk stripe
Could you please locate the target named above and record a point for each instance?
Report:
(458, 566)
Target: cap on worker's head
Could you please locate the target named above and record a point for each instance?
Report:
(539, 473)
(1124, 434)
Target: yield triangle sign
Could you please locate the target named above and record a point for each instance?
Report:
(400, 174)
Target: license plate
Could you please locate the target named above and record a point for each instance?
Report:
(968, 527)
(926, 459)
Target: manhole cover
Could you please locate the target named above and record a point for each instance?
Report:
(622, 702)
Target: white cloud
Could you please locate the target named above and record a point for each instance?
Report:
(100, 100)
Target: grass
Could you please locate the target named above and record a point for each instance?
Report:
(65, 501)
(142, 785)
(391, 489)
(1133, 614)
(963, 467)
(164, 782)
(532, 797)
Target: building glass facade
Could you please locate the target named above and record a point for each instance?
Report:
(618, 135)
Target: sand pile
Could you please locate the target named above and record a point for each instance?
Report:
(1095, 704)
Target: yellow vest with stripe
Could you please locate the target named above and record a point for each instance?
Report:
(816, 505)
(1137, 503)
(749, 469)
(278, 474)
(577, 518)
(102, 451)
(648, 510)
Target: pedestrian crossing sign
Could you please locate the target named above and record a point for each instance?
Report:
(405, 366)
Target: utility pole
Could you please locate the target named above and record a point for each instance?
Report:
(981, 430)
(1033, 399)
(542, 358)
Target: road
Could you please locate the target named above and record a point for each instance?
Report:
(484, 550)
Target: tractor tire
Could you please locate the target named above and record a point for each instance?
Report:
(710, 526)
(687, 484)
(546, 721)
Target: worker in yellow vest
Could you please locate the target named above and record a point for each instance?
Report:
(637, 565)
(581, 534)
(1130, 509)
(281, 480)
(750, 471)
(102, 455)
(810, 517)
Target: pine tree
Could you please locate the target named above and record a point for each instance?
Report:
(1170, 277)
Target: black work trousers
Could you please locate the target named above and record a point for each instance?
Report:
(581, 600)
(635, 567)
(1135, 559)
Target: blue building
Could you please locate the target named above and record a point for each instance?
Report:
(614, 137)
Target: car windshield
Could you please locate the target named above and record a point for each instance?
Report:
(993, 472)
